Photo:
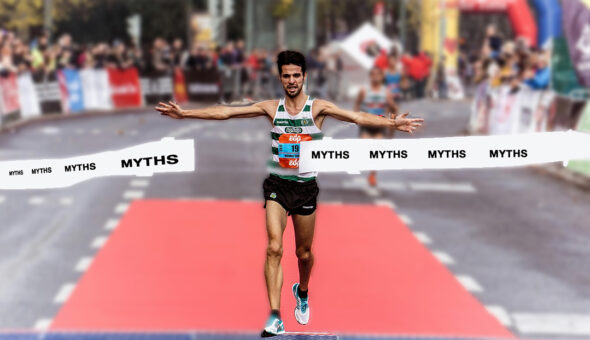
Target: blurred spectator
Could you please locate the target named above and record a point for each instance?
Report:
(179, 54)
(418, 68)
(198, 59)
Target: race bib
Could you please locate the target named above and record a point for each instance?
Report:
(289, 149)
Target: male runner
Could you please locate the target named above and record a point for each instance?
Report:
(287, 192)
(378, 100)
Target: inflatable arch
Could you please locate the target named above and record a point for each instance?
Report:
(518, 12)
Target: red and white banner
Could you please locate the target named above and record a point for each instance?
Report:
(10, 99)
(125, 87)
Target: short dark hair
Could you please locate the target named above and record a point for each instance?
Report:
(290, 57)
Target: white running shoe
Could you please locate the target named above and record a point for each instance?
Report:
(274, 326)
(302, 308)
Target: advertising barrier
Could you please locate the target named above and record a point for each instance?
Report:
(156, 89)
(10, 99)
(97, 90)
(28, 96)
(499, 110)
(203, 85)
(69, 90)
(125, 87)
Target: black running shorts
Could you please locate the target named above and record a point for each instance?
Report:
(298, 198)
(372, 130)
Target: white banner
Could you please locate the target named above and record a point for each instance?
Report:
(353, 155)
(29, 101)
(167, 155)
(96, 89)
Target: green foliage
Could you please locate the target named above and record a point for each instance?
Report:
(281, 9)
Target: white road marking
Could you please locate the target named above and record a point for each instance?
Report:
(42, 324)
(98, 242)
(184, 129)
(66, 201)
(406, 219)
(64, 293)
(133, 194)
(500, 314)
(422, 237)
(37, 200)
(95, 131)
(2, 199)
(203, 198)
(442, 187)
(139, 183)
(443, 257)
(121, 208)
(370, 191)
(387, 203)
(79, 131)
(391, 186)
(331, 202)
(469, 283)
(250, 199)
(331, 132)
(132, 132)
(558, 324)
(50, 130)
(83, 264)
(111, 224)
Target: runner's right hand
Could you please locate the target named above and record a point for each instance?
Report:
(171, 110)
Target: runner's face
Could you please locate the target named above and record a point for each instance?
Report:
(292, 79)
(376, 77)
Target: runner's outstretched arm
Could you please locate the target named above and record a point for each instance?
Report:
(400, 122)
(217, 112)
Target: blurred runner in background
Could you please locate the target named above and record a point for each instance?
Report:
(376, 99)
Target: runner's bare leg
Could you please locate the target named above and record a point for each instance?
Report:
(304, 228)
(276, 221)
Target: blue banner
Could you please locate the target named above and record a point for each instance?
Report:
(74, 88)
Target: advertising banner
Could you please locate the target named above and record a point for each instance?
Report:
(180, 94)
(125, 87)
(576, 14)
(48, 93)
(10, 98)
(74, 96)
(156, 89)
(202, 85)
(28, 98)
(96, 89)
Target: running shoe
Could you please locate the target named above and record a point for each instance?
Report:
(302, 308)
(274, 326)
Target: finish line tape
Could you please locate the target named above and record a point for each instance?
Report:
(166, 155)
(354, 155)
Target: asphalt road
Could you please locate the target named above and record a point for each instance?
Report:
(517, 239)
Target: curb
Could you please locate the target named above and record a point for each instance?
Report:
(563, 173)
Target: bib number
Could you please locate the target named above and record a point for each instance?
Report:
(289, 149)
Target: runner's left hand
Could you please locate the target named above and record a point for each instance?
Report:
(407, 124)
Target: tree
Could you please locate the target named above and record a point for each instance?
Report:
(280, 11)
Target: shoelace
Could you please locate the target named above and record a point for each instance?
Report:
(303, 305)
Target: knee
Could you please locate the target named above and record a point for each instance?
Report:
(274, 250)
(304, 254)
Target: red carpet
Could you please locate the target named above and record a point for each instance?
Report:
(197, 265)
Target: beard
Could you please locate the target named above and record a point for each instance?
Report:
(294, 94)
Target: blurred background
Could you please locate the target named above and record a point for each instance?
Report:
(496, 252)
